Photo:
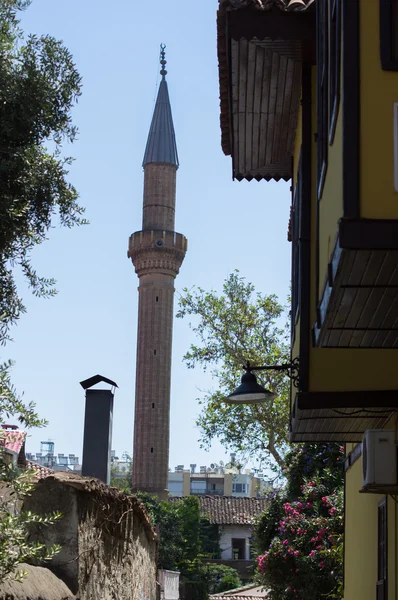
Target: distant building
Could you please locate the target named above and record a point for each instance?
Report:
(216, 480)
(57, 462)
(234, 518)
(121, 467)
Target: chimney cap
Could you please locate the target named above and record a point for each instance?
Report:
(87, 383)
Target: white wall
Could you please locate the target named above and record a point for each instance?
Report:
(234, 531)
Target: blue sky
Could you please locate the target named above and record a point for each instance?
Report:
(90, 326)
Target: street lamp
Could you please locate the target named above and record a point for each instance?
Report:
(251, 392)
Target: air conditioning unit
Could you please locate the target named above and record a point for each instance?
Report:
(379, 457)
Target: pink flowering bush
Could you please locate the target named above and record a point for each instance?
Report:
(300, 538)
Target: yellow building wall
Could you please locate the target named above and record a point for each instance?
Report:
(340, 369)
(360, 572)
(379, 90)
(360, 566)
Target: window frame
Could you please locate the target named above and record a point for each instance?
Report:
(239, 547)
(382, 550)
(243, 487)
(296, 248)
(334, 65)
(322, 93)
(388, 34)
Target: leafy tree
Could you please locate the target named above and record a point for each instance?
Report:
(185, 537)
(120, 480)
(300, 535)
(201, 579)
(233, 327)
(15, 545)
(38, 86)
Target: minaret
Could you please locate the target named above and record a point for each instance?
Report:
(157, 252)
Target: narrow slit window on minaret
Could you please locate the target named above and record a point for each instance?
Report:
(154, 352)
(153, 405)
(157, 298)
(151, 450)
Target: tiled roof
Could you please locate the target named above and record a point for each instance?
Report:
(12, 439)
(247, 592)
(237, 597)
(39, 471)
(228, 510)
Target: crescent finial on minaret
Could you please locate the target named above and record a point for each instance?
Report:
(163, 60)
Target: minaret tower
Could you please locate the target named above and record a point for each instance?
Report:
(157, 252)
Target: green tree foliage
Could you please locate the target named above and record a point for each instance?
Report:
(300, 535)
(15, 545)
(186, 541)
(38, 86)
(233, 327)
(122, 481)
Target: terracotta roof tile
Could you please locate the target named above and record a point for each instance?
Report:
(236, 597)
(39, 471)
(12, 439)
(228, 510)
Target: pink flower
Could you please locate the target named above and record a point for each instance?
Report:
(285, 542)
(296, 553)
(321, 564)
(312, 553)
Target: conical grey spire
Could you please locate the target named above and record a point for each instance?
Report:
(161, 145)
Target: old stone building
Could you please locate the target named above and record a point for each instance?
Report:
(157, 252)
(108, 545)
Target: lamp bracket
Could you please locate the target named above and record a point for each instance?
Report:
(292, 369)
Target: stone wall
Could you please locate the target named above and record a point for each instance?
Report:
(109, 548)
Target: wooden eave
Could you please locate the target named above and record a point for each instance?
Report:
(260, 54)
(359, 303)
(340, 416)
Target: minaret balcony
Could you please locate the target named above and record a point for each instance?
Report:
(155, 250)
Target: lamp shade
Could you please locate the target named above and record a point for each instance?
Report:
(249, 391)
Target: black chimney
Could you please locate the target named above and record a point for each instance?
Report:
(97, 440)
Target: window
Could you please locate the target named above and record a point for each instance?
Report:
(175, 488)
(335, 60)
(322, 99)
(381, 586)
(389, 34)
(198, 487)
(295, 229)
(239, 488)
(238, 548)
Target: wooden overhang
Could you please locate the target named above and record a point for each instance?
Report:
(359, 304)
(340, 416)
(261, 47)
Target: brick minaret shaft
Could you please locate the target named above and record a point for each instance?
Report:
(157, 252)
